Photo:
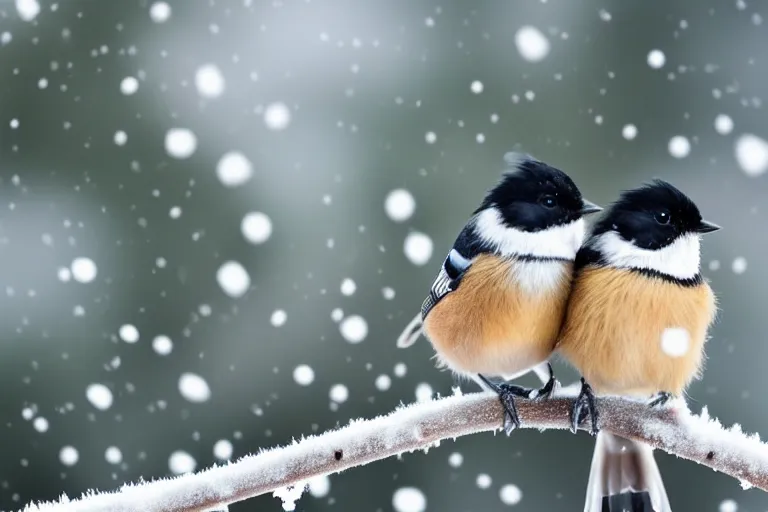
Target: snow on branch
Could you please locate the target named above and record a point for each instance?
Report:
(285, 471)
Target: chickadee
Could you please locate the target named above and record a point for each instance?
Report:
(636, 324)
(498, 302)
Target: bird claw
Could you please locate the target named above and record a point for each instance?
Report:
(547, 391)
(660, 399)
(507, 394)
(507, 399)
(585, 405)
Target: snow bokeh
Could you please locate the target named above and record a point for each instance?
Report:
(629, 131)
(456, 459)
(383, 382)
(160, 12)
(399, 205)
(304, 375)
(278, 318)
(120, 138)
(194, 388)
(209, 81)
(723, 124)
(675, 341)
(181, 462)
(27, 9)
(69, 455)
(234, 169)
(129, 333)
(180, 143)
(162, 344)
(348, 287)
(739, 265)
(483, 481)
(233, 279)
(100, 396)
(354, 329)
(679, 146)
(113, 455)
(277, 116)
(83, 269)
(339, 393)
(223, 449)
(129, 85)
(41, 424)
(510, 494)
(418, 248)
(656, 59)
(476, 86)
(256, 227)
(531, 43)
(752, 154)
(409, 499)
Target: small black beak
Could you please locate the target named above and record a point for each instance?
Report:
(589, 207)
(706, 227)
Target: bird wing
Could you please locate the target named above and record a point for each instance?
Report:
(466, 247)
(453, 270)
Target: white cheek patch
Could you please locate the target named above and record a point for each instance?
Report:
(557, 242)
(680, 259)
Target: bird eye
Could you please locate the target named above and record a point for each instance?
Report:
(662, 217)
(548, 201)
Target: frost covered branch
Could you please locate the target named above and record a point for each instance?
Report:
(419, 426)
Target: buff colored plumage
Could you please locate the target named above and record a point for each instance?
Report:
(619, 321)
(636, 324)
(489, 325)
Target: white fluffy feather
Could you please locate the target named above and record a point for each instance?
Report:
(680, 259)
(556, 242)
(540, 277)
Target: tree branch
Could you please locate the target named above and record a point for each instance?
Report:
(673, 429)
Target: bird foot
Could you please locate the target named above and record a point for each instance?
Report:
(660, 399)
(507, 394)
(548, 390)
(585, 405)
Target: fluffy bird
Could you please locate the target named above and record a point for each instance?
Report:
(636, 323)
(498, 302)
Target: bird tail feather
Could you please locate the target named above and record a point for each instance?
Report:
(411, 333)
(624, 478)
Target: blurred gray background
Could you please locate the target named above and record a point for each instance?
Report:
(331, 102)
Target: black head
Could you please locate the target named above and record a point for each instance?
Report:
(533, 196)
(653, 216)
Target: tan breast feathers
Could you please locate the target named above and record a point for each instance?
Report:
(492, 324)
(615, 323)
